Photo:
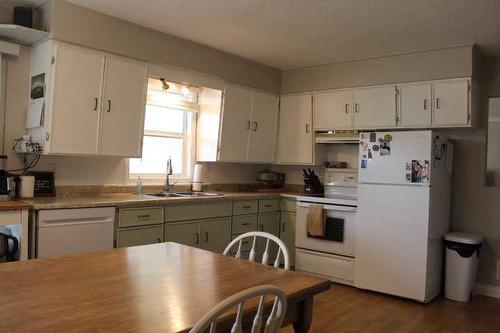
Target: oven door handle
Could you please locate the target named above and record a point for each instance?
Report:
(331, 208)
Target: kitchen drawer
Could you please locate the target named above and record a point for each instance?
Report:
(129, 217)
(242, 207)
(242, 224)
(268, 205)
(139, 236)
(335, 268)
(246, 246)
(195, 211)
(289, 205)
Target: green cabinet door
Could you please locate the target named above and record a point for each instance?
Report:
(215, 234)
(270, 223)
(287, 233)
(187, 233)
(139, 236)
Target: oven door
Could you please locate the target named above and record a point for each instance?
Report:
(339, 230)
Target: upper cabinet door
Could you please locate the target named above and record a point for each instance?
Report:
(262, 141)
(451, 103)
(236, 123)
(123, 108)
(76, 101)
(416, 104)
(295, 137)
(333, 109)
(375, 107)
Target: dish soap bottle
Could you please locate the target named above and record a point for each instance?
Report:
(138, 186)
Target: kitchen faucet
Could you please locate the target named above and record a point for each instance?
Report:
(169, 173)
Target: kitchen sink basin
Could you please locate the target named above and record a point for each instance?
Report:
(187, 194)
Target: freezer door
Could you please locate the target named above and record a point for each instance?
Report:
(392, 238)
(388, 157)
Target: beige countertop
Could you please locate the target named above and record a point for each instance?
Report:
(127, 199)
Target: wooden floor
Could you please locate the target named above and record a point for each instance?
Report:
(346, 309)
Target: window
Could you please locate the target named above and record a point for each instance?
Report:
(168, 131)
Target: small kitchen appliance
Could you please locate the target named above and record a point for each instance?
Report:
(5, 180)
(312, 183)
(271, 180)
(9, 246)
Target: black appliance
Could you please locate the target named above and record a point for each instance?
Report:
(8, 252)
(23, 16)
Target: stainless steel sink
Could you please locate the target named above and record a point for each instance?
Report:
(187, 194)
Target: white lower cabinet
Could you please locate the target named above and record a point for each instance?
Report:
(139, 236)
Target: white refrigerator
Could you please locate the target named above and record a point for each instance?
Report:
(403, 212)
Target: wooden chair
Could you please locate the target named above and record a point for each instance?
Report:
(273, 323)
(282, 250)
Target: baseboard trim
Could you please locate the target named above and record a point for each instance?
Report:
(487, 290)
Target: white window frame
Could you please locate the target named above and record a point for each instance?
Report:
(189, 149)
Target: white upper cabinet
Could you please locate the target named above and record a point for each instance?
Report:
(262, 141)
(415, 104)
(236, 123)
(75, 102)
(123, 102)
(94, 103)
(375, 107)
(295, 137)
(451, 103)
(333, 109)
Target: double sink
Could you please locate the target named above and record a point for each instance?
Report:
(187, 194)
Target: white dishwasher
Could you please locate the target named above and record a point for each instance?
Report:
(71, 231)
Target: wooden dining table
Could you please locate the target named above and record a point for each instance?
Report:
(164, 287)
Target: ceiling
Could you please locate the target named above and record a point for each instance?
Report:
(290, 34)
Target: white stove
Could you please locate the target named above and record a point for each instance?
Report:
(331, 256)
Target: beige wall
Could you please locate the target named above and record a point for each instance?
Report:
(78, 25)
(420, 66)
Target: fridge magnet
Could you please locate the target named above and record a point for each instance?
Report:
(364, 164)
(373, 137)
(385, 148)
(375, 148)
(388, 137)
(420, 171)
(408, 177)
(408, 167)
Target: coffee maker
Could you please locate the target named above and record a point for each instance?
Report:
(5, 180)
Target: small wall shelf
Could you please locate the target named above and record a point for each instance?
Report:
(21, 35)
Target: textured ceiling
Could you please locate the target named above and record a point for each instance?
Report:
(298, 33)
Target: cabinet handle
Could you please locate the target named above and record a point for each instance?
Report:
(356, 107)
(268, 206)
(261, 227)
(307, 128)
(425, 104)
(246, 207)
(255, 126)
(249, 123)
(146, 216)
(206, 237)
(437, 103)
(158, 240)
(347, 108)
(283, 227)
(245, 224)
(96, 102)
(197, 238)
(109, 106)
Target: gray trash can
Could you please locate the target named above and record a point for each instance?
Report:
(462, 255)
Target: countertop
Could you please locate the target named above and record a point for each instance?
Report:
(127, 199)
(13, 205)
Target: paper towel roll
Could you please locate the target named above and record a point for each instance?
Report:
(197, 176)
